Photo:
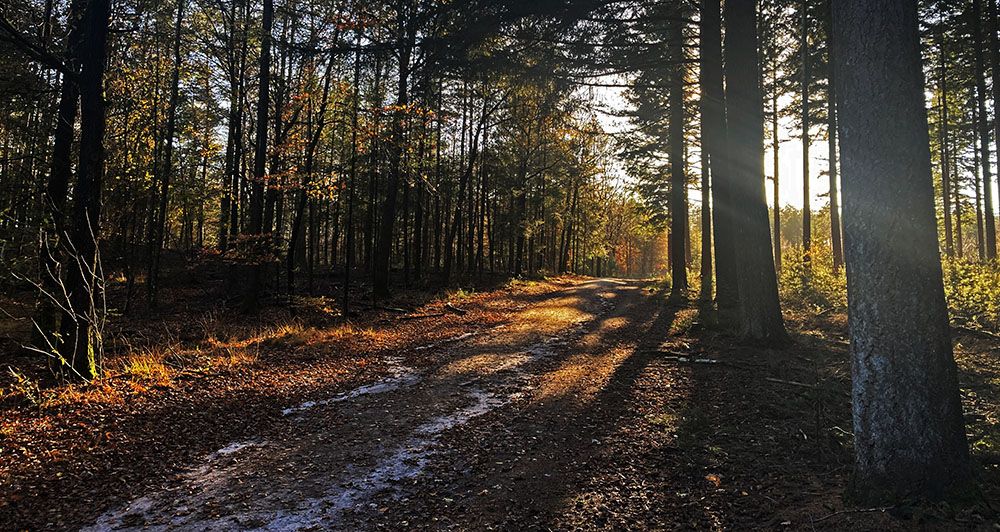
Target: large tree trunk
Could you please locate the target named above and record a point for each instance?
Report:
(908, 428)
(81, 347)
(723, 223)
(678, 177)
(760, 311)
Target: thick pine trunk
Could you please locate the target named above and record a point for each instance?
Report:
(726, 291)
(908, 427)
(760, 311)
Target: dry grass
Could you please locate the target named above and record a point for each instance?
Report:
(233, 358)
(97, 392)
(149, 366)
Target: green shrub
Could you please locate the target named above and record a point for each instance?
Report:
(818, 288)
(972, 288)
(973, 292)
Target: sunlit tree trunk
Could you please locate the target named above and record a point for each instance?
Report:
(908, 428)
(976, 139)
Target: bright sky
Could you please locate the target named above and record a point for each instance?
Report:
(790, 162)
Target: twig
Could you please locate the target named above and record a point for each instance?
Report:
(855, 511)
(977, 332)
(419, 316)
(790, 383)
(456, 310)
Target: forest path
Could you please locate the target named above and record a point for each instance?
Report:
(497, 432)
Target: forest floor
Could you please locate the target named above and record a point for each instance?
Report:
(566, 404)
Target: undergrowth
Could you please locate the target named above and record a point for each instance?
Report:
(972, 288)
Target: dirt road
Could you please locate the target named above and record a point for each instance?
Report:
(562, 405)
(498, 432)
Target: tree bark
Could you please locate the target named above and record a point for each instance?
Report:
(836, 239)
(908, 428)
(255, 238)
(726, 291)
(678, 166)
(984, 129)
(980, 233)
(383, 248)
(806, 139)
(760, 310)
(81, 347)
(57, 189)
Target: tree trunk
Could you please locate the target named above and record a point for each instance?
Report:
(678, 177)
(908, 428)
(980, 234)
(82, 343)
(303, 194)
(945, 155)
(156, 246)
(57, 189)
(726, 291)
(806, 139)
(776, 154)
(760, 311)
(994, 43)
(256, 239)
(984, 129)
(836, 239)
(383, 249)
